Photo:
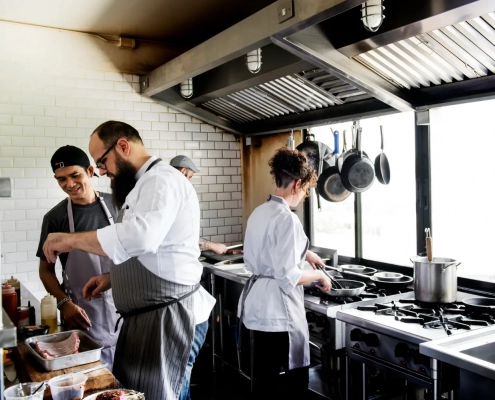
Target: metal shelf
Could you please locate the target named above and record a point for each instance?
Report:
(8, 333)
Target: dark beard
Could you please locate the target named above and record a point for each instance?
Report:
(123, 182)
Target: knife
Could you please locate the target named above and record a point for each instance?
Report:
(234, 246)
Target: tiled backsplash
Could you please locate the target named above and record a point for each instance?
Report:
(43, 108)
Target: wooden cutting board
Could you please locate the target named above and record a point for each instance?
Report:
(28, 370)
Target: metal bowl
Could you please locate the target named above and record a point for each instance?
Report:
(388, 276)
(353, 268)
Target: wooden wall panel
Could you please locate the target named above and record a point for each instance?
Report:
(257, 183)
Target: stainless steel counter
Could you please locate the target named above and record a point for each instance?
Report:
(472, 351)
(310, 302)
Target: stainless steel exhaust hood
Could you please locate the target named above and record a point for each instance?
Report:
(323, 66)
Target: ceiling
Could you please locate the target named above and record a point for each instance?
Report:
(183, 23)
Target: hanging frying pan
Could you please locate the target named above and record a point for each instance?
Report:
(330, 185)
(480, 305)
(382, 167)
(311, 149)
(358, 172)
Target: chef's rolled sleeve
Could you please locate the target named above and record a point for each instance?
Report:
(111, 245)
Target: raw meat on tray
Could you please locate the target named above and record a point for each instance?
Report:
(59, 349)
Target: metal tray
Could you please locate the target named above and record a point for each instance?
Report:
(89, 350)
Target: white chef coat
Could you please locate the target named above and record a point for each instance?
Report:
(273, 246)
(161, 228)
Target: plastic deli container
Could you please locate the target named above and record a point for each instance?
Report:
(68, 387)
(24, 390)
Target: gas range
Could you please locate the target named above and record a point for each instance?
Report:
(331, 331)
(387, 335)
(318, 301)
(413, 321)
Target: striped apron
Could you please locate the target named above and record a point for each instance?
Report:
(157, 334)
(79, 269)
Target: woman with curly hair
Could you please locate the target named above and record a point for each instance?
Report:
(272, 303)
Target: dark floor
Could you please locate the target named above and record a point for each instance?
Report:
(225, 383)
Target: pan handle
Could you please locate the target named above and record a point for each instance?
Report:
(336, 142)
(314, 345)
(454, 264)
(381, 134)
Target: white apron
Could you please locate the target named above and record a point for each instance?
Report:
(79, 269)
(296, 315)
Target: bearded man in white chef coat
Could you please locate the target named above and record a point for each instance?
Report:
(155, 273)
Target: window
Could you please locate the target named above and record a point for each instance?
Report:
(463, 186)
(389, 214)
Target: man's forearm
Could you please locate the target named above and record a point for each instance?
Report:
(86, 241)
(50, 281)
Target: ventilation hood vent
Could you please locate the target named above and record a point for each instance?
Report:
(291, 94)
(322, 66)
(453, 53)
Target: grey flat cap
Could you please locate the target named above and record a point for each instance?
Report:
(183, 162)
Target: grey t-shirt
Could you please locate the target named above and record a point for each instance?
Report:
(86, 218)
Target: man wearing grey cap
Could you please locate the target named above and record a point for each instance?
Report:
(187, 168)
(83, 210)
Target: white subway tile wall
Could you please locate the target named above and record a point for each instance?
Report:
(43, 108)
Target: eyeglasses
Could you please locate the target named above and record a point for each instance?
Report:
(100, 163)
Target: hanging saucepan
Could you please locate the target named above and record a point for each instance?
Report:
(311, 149)
(357, 169)
(330, 185)
(382, 168)
(480, 305)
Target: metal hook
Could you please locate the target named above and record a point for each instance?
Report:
(428, 233)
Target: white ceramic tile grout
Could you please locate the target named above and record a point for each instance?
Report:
(42, 109)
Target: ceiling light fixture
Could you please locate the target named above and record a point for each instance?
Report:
(253, 61)
(186, 88)
(372, 14)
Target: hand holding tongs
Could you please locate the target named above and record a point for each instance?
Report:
(335, 284)
(429, 248)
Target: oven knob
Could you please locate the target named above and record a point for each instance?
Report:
(371, 340)
(402, 363)
(401, 350)
(356, 346)
(372, 352)
(422, 370)
(356, 335)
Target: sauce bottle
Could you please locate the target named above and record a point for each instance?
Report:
(49, 312)
(17, 286)
(9, 302)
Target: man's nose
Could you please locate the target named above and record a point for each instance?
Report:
(102, 171)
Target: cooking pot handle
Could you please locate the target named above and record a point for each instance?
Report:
(456, 264)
